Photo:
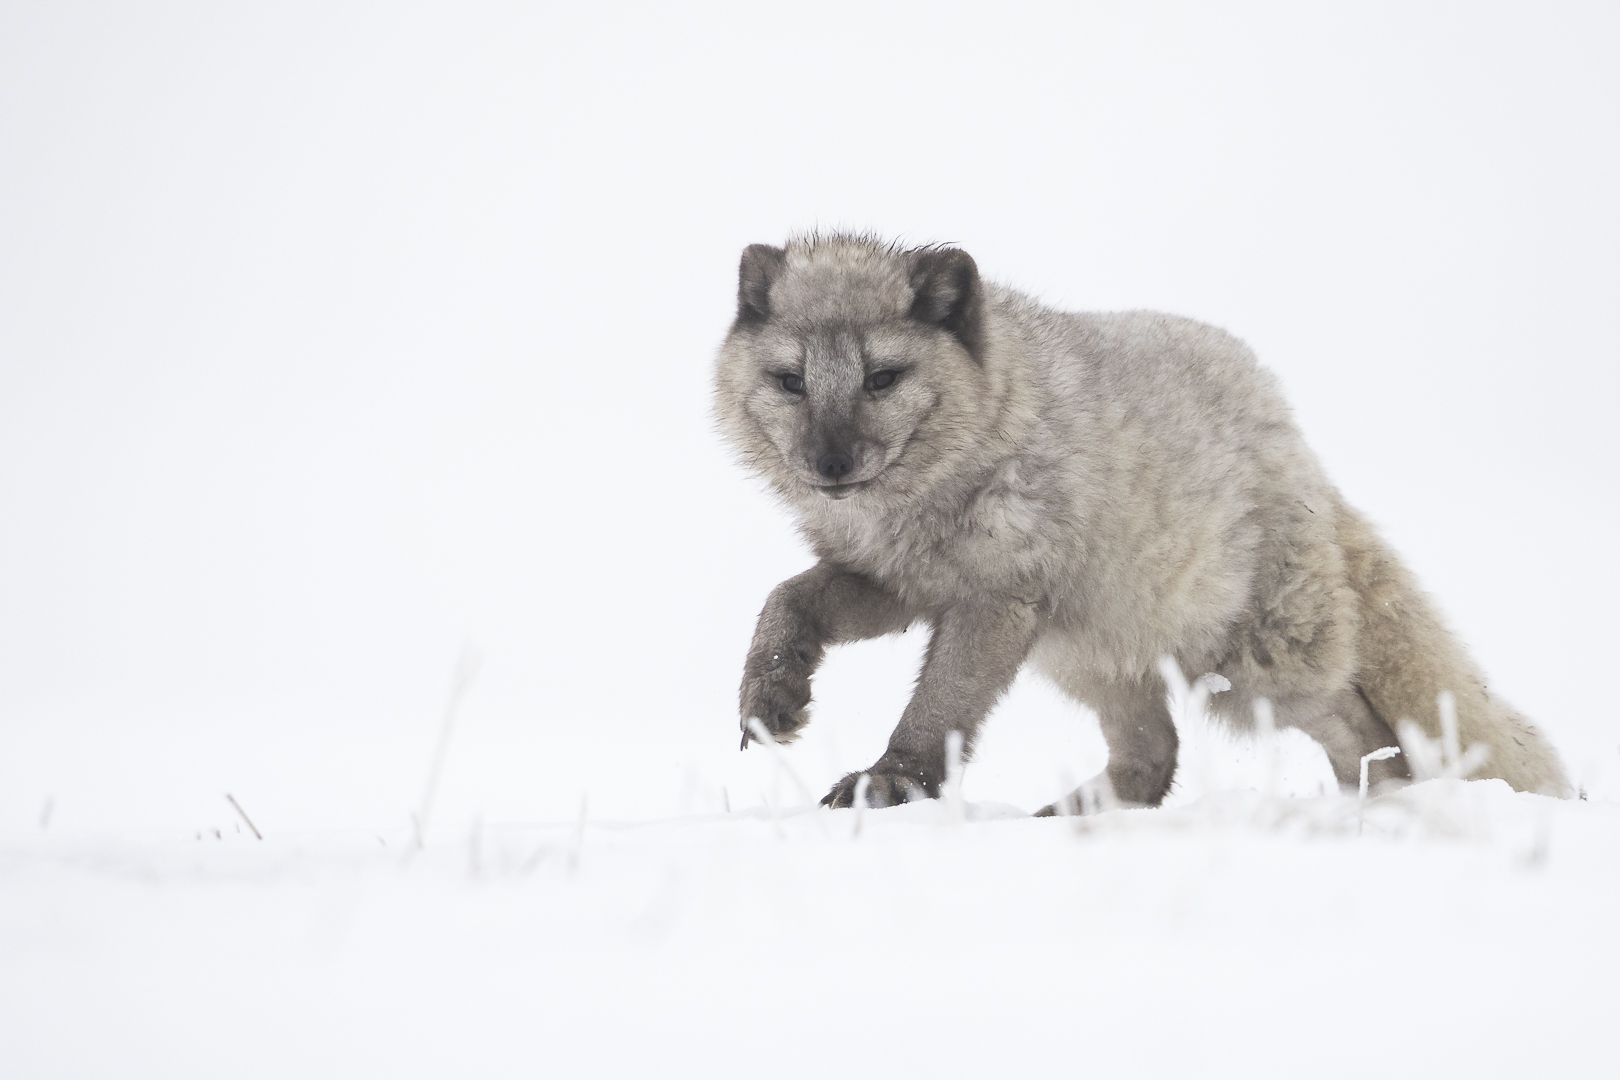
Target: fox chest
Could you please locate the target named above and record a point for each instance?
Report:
(998, 542)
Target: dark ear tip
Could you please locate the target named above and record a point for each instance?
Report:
(760, 265)
(948, 294)
(761, 260)
(932, 262)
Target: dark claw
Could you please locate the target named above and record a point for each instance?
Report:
(842, 795)
(744, 745)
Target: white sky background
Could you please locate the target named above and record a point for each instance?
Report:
(332, 339)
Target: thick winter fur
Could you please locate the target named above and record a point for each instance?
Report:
(1083, 492)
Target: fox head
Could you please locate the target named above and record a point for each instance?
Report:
(853, 368)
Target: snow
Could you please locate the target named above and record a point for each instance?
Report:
(1469, 930)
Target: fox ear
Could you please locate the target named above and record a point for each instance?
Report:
(761, 264)
(947, 294)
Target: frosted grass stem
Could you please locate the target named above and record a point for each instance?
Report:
(862, 783)
(1450, 745)
(1188, 763)
(1422, 755)
(1460, 764)
(955, 812)
(776, 818)
(1174, 681)
(1265, 733)
(1381, 754)
(1432, 759)
(762, 734)
(1188, 701)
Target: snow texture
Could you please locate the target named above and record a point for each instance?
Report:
(1467, 931)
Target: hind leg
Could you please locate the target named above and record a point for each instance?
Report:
(1348, 728)
(1142, 745)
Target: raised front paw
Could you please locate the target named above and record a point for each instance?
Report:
(775, 689)
(889, 783)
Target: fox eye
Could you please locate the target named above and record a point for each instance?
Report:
(793, 384)
(881, 380)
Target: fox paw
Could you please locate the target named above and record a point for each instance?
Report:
(888, 784)
(775, 691)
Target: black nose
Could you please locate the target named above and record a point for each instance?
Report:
(834, 464)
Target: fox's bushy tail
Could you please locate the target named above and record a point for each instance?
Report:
(1406, 656)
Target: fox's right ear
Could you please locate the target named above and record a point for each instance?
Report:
(761, 264)
(947, 294)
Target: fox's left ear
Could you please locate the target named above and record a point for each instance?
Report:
(761, 265)
(947, 294)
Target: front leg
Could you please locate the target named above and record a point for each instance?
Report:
(973, 657)
(825, 605)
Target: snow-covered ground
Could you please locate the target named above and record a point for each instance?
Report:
(1464, 930)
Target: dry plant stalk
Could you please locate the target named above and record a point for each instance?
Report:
(257, 834)
(467, 665)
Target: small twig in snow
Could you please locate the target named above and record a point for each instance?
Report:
(467, 665)
(257, 834)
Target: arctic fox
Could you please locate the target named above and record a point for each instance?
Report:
(1086, 493)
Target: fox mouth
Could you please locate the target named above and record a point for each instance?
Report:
(840, 491)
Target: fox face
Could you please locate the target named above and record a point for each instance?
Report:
(850, 364)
